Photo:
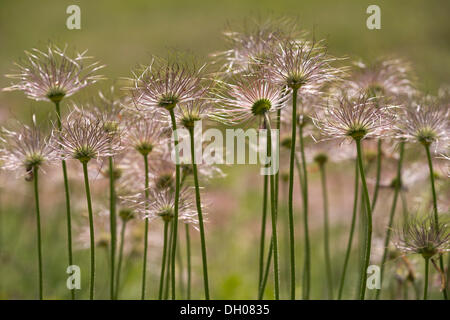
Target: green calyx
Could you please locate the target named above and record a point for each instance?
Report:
(55, 95)
(166, 214)
(84, 154)
(428, 251)
(321, 158)
(296, 81)
(357, 132)
(286, 142)
(144, 148)
(168, 101)
(375, 90)
(261, 106)
(188, 120)
(164, 181)
(426, 136)
(33, 161)
(126, 214)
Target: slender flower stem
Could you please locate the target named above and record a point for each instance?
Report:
(435, 209)
(387, 238)
(112, 222)
(119, 262)
(369, 221)
(326, 231)
(291, 191)
(425, 287)
(188, 254)
(163, 263)
(378, 175)
(177, 196)
(266, 272)
(352, 230)
(38, 227)
(263, 231)
(200, 215)
(305, 217)
(67, 194)
(91, 230)
(169, 259)
(273, 211)
(144, 264)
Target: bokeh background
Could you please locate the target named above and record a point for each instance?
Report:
(122, 34)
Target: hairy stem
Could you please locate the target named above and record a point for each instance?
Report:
(188, 254)
(163, 263)
(369, 221)
(119, 262)
(273, 211)
(177, 195)
(67, 195)
(200, 215)
(144, 263)
(435, 209)
(91, 230)
(291, 191)
(425, 286)
(378, 175)
(112, 224)
(352, 230)
(326, 232)
(387, 238)
(38, 227)
(263, 231)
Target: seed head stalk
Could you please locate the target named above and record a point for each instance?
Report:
(263, 232)
(369, 221)
(273, 211)
(326, 231)
(112, 221)
(435, 209)
(144, 264)
(177, 196)
(119, 262)
(38, 227)
(188, 254)
(291, 191)
(91, 230)
(200, 215)
(392, 213)
(378, 175)
(67, 194)
(305, 217)
(425, 286)
(163, 263)
(352, 230)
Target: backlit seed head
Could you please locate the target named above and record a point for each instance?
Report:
(191, 112)
(260, 107)
(53, 74)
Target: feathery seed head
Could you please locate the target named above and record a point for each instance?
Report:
(52, 75)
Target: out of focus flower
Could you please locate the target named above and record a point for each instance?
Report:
(25, 149)
(423, 236)
(356, 118)
(52, 74)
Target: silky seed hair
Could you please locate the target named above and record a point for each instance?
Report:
(83, 138)
(54, 73)
(356, 118)
(425, 120)
(248, 98)
(423, 236)
(26, 148)
(165, 83)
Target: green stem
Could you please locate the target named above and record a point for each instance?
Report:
(177, 195)
(352, 230)
(91, 230)
(369, 221)
(291, 191)
(119, 263)
(188, 253)
(67, 194)
(435, 209)
(200, 215)
(144, 263)
(326, 231)
(387, 238)
(425, 287)
(305, 217)
(273, 211)
(38, 226)
(112, 222)
(163, 263)
(169, 259)
(180, 272)
(266, 272)
(378, 175)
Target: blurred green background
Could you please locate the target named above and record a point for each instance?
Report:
(122, 34)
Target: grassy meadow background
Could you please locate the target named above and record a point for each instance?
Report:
(122, 34)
